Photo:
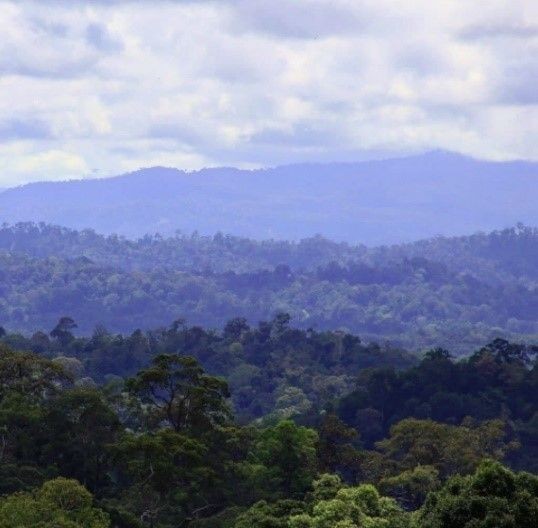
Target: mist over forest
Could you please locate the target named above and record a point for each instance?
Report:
(270, 380)
(268, 264)
(455, 292)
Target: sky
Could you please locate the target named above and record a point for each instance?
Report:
(94, 88)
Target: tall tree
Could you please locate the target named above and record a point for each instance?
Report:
(180, 394)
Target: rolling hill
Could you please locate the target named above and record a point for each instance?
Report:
(458, 292)
(373, 202)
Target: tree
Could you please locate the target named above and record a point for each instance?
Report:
(59, 503)
(335, 446)
(29, 374)
(181, 395)
(63, 330)
(411, 487)
(169, 473)
(326, 486)
(70, 365)
(437, 354)
(235, 328)
(352, 508)
(380, 386)
(291, 401)
(450, 449)
(505, 352)
(270, 515)
(333, 506)
(289, 453)
(280, 324)
(79, 426)
(40, 342)
(493, 496)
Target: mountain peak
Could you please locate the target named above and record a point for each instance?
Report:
(372, 202)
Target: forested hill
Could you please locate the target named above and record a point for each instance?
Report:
(424, 447)
(374, 202)
(495, 256)
(455, 292)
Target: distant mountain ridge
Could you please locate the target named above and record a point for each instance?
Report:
(372, 202)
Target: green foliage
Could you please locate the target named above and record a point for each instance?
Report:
(289, 451)
(326, 487)
(270, 515)
(59, 503)
(493, 496)
(354, 507)
(273, 368)
(80, 427)
(411, 487)
(167, 472)
(335, 447)
(451, 449)
(161, 449)
(178, 393)
(454, 292)
(498, 381)
(335, 506)
(28, 375)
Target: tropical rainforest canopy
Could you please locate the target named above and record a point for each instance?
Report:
(218, 382)
(298, 429)
(454, 292)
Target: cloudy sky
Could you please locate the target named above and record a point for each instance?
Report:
(92, 88)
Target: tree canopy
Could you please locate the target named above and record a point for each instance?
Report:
(456, 292)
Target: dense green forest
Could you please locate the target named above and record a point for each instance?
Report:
(271, 368)
(435, 443)
(220, 382)
(453, 292)
(268, 264)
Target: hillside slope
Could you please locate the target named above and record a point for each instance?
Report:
(373, 202)
(456, 292)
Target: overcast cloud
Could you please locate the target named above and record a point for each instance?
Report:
(100, 87)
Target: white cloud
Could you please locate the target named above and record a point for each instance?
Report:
(19, 164)
(104, 86)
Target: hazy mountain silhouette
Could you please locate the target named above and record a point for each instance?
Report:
(373, 202)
